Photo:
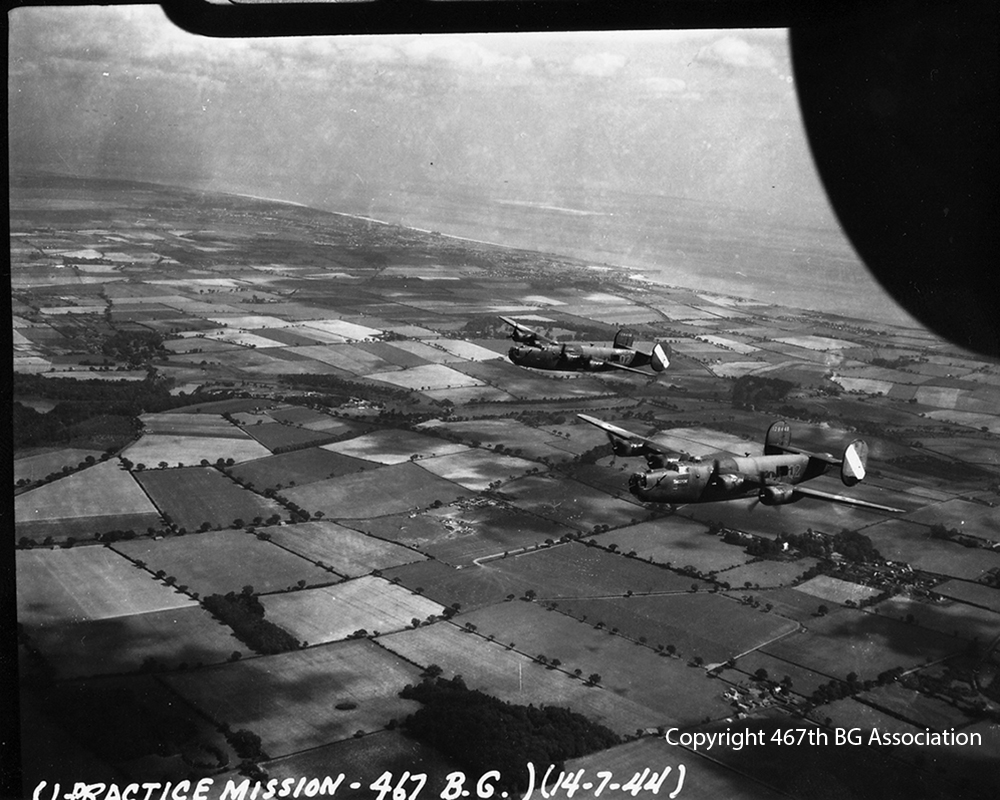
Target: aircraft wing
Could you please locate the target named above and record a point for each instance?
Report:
(622, 366)
(634, 444)
(807, 491)
(528, 334)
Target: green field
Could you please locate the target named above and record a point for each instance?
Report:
(513, 677)
(571, 503)
(363, 760)
(331, 613)
(804, 681)
(297, 468)
(275, 436)
(704, 777)
(899, 540)
(85, 527)
(923, 712)
(86, 583)
(697, 624)
(290, 700)
(175, 636)
(347, 551)
(195, 495)
(98, 490)
(977, 594)
(393, 446)
(225, 561)
(677, 541)
(864, 643)
(375, 492)
(767, 573)
(666, 686)
(947, 616)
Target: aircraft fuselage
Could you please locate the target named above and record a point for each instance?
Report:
(575, 357)
(733, 478)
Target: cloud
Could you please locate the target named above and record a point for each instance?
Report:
(598, 65)
(732, 52)
(665, 85)
(461, 52)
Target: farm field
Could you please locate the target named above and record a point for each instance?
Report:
(516, 437)
(789, 602)
(299, 467)
(193, 496)
(212, 425)
(465, 534)
(36, 467)
(296, 694)
(345, 550)
(153, 448)
(225, 561)
(394, 446)
(835, 590)
(86, 583)
(975, 519)
(276, 437)
(571, 503)
(185, 635)
(91, 492)
(476, 469)
(574, 570)
(470, 587)
(899, 540)
(975, 593)
(667, 686)
(876, 644)
(804, 681)
(767, 573)
(363, 761)
(704, 778)
(364, 495)
(921, 711)
(854, 712)
(431, 376)
(331, 613)
(62, 530)
(947, 616)
(697, 624)
(514, 677)
(678, 541)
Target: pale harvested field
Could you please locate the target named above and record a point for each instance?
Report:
(289, 699)
(513, 677)
(432, 376)
(120, 644)
(737, 369)
(363, 495)
(345, 550)
(836, 590)
(251, 321)
(86, 583)
(98, 490)
(394, 446)
(465, 351)
(346, 357)
(225, 561)
(152, 449)
(816, 342)
(242, 338)
(705, 441)
(476, 469)
(677, 541)
(340, 327)
(331, 613)
(667, 686)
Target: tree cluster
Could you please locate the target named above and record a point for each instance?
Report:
(755, 391)
(482, 733)
(244, 613)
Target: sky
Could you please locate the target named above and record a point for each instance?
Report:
(120, 91)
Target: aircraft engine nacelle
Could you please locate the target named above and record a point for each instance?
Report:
(527, 337)
(621, 447)
(777, 495)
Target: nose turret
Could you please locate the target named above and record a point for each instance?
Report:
(637, 482)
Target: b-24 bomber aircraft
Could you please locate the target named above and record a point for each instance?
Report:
(774, 478)
(541, 352)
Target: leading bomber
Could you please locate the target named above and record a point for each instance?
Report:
(539, 351)
(774, 478)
